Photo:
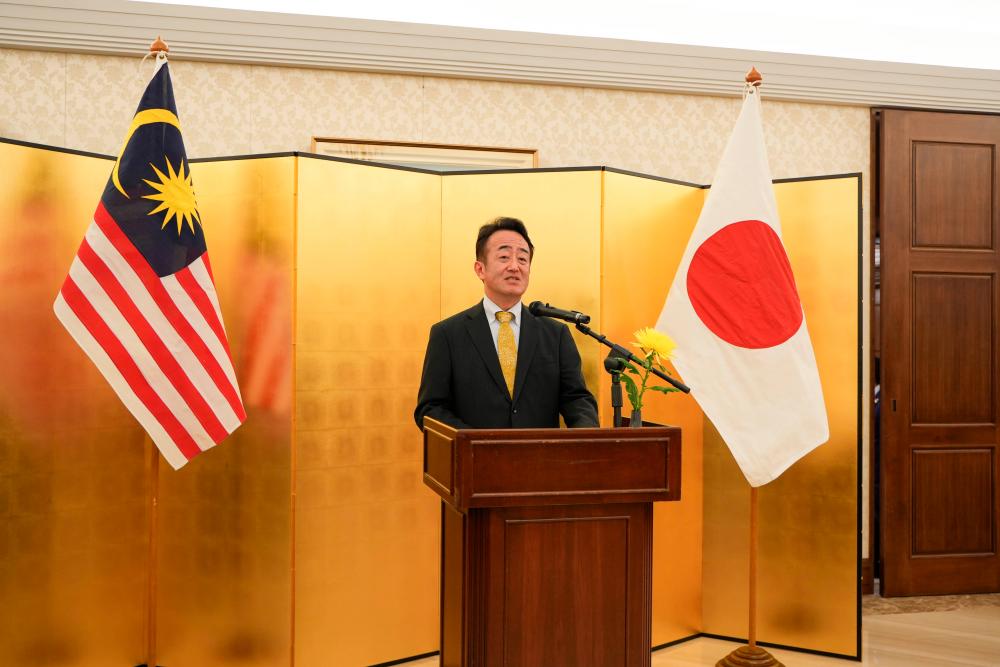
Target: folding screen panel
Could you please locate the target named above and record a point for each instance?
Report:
(368, 289)
(562, 210)
(223, 560)
(808, 588)
(74, 478)
(647, 222)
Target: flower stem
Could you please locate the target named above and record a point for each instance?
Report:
(646, 364)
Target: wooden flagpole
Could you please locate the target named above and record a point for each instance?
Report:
(158, 46)
(751, 654)
(752, 602)
(154, 501)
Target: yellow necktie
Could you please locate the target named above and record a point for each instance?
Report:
(507, 349)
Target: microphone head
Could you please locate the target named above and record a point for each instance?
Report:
(534, 306)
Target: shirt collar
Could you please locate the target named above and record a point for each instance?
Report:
(492, 309)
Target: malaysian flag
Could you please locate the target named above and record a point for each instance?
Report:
(140, 299)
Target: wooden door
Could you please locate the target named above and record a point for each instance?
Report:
(939, 229)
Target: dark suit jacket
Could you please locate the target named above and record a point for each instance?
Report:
(462, 384)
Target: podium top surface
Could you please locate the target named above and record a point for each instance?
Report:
(472, 468)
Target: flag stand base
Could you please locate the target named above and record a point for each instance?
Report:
(749, 656)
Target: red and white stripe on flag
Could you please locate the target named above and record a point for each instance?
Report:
(735, 313)
(158, 341)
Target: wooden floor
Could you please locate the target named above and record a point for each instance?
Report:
(962, 630)
(922, 639)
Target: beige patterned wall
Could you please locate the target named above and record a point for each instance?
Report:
(85, 102)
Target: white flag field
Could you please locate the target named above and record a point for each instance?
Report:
(735, 313)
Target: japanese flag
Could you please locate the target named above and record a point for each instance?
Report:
(733, 308)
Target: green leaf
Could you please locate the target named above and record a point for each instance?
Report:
(663, 390)
(630, 368)
(632, 390)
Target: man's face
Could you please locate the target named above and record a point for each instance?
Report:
(505, 267)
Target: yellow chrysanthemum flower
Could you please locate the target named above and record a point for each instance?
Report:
(657, 342)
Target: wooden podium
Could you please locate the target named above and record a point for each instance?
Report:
(546, 542)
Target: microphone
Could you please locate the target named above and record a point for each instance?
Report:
(538, 308)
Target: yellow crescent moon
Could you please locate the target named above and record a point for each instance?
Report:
(145, 117)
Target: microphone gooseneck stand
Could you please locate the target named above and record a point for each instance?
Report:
(615, 362)
(619, 352)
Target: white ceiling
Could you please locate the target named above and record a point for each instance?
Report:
(955, 33)
(649, 45)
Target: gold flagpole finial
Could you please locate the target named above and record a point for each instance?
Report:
(158, 46)
(754, 78)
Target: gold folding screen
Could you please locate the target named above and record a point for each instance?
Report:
(307, 538)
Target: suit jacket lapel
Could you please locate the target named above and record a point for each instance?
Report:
(526, 344)
(482, 338)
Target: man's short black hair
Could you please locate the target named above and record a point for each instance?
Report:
(496, 225)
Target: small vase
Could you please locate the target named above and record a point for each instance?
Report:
(635, 420)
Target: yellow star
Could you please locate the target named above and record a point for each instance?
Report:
(175, 193)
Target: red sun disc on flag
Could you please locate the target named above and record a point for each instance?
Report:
(740, 284)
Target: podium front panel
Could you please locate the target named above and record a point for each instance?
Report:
(568, 586)
(509, 472)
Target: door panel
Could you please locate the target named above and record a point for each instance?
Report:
(952, 512)
(938, 200)
(952, 203)
(952, 334)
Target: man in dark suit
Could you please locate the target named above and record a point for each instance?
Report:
(496, 365)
